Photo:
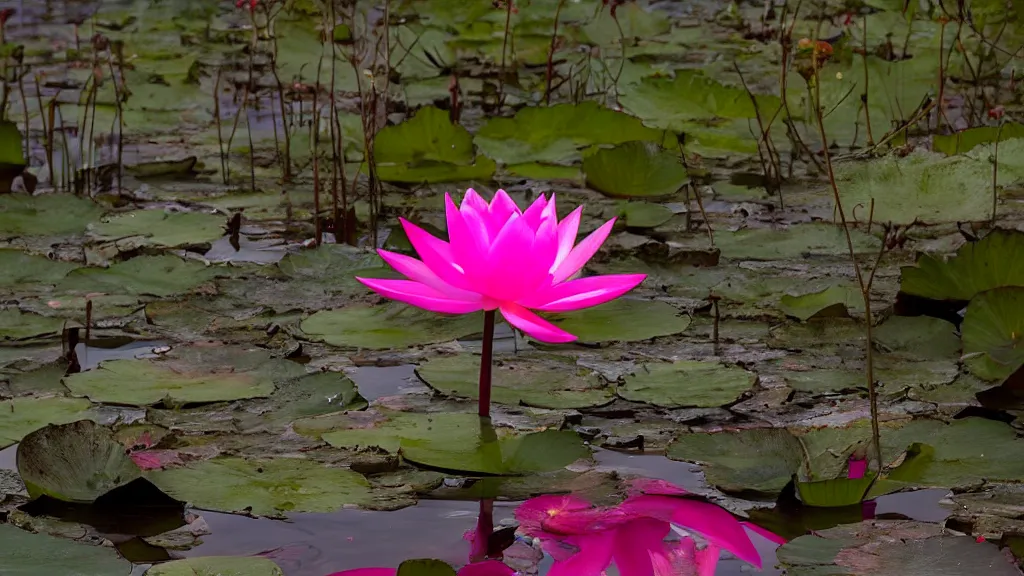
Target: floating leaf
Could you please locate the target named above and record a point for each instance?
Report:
(428, 148)
(672, 102)
(313, 395)
(425, 567)
(834, 493)
(25, 553)
(759, 460)
(45, 215)
(794, 242)
(266, 487)
(921, 336)
(20, 416)
(388, 326)
(11, 151)
(992, 331)
(159, 276)
(217, 566)
(919, 187)
(555, 134)
(461, 442)
(23, 270)
(15, 325)
(631, 20)
(645, 214)
(991, 262)
(891, 548)
(831, 302)
(160, 228)
(686, 383)
(623, 320)
(966, 140)
(635, 170)
(541, 380)
(76, 462)
(144, 382)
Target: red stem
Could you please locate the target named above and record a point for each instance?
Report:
(485, 365)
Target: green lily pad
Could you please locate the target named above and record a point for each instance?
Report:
(45, 215)
(159, 276)
(895, 373)
(963, 141)
(631, 20)
(11, 151)
(645, 214)
(20, 416)
(424, 567)
(428, 148)
(674, 102)
(538, 171)
(76, 462)
(160, 228)
(686, 383)
(266, 487)
(919, 187)
(183, 378)
(891, 548)
(40, 381)
(388, 326)
(833, 301)
(540, 380)
(795, 242)
(992, 333)
(989, 263)
(25, 553)
(760, 460)
(23, 270)
(462, 442)
(556, 134)
(623, 320)
(920, 336)
(313, 395)
(217, 566)
(15, 325)
(635, 170)
(834, 493)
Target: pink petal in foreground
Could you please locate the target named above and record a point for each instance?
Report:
(421, 296)
(593, 557)
(584, 292)
(583, 252)
(634, 543)
(501, 209)
(552, 515)
(486, 568)
(435, 253)
(567, 231)
(418, 271)
(857, 468)
(534, 325)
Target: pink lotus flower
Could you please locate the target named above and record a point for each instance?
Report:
(488, 568)
(501, 258)
(584, 540)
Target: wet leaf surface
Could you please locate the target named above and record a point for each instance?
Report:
(25, 553)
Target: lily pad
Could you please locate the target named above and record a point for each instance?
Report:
(556, 134)
(266, 487)
(25, 553)
(76, 462)
(686, 384)
(20, 416)
(635, 170)
(760, 460)
(892, 548)
(160, 228)
(23, 270)
(833, 301)
(452, 441)
(645, 214)
(428, 148)
(674, 102)
(388, 326)
(623, 320)
(963, 141)
(45, 215)
(991, 262)
(159, 276)
(217, 566)
(920, 187)
(543, 381)
(144, 382)
(313, 395)
(920, 336)
(992, 332)
(794, 242)
(425, 567)
(15, 325)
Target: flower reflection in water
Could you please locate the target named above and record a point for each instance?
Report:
(585, 540)
(654, 532)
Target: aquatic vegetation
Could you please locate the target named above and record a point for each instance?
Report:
(499, 257)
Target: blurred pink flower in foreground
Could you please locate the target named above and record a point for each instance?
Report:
(488, 568)
(584, 540)
(499, 257)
